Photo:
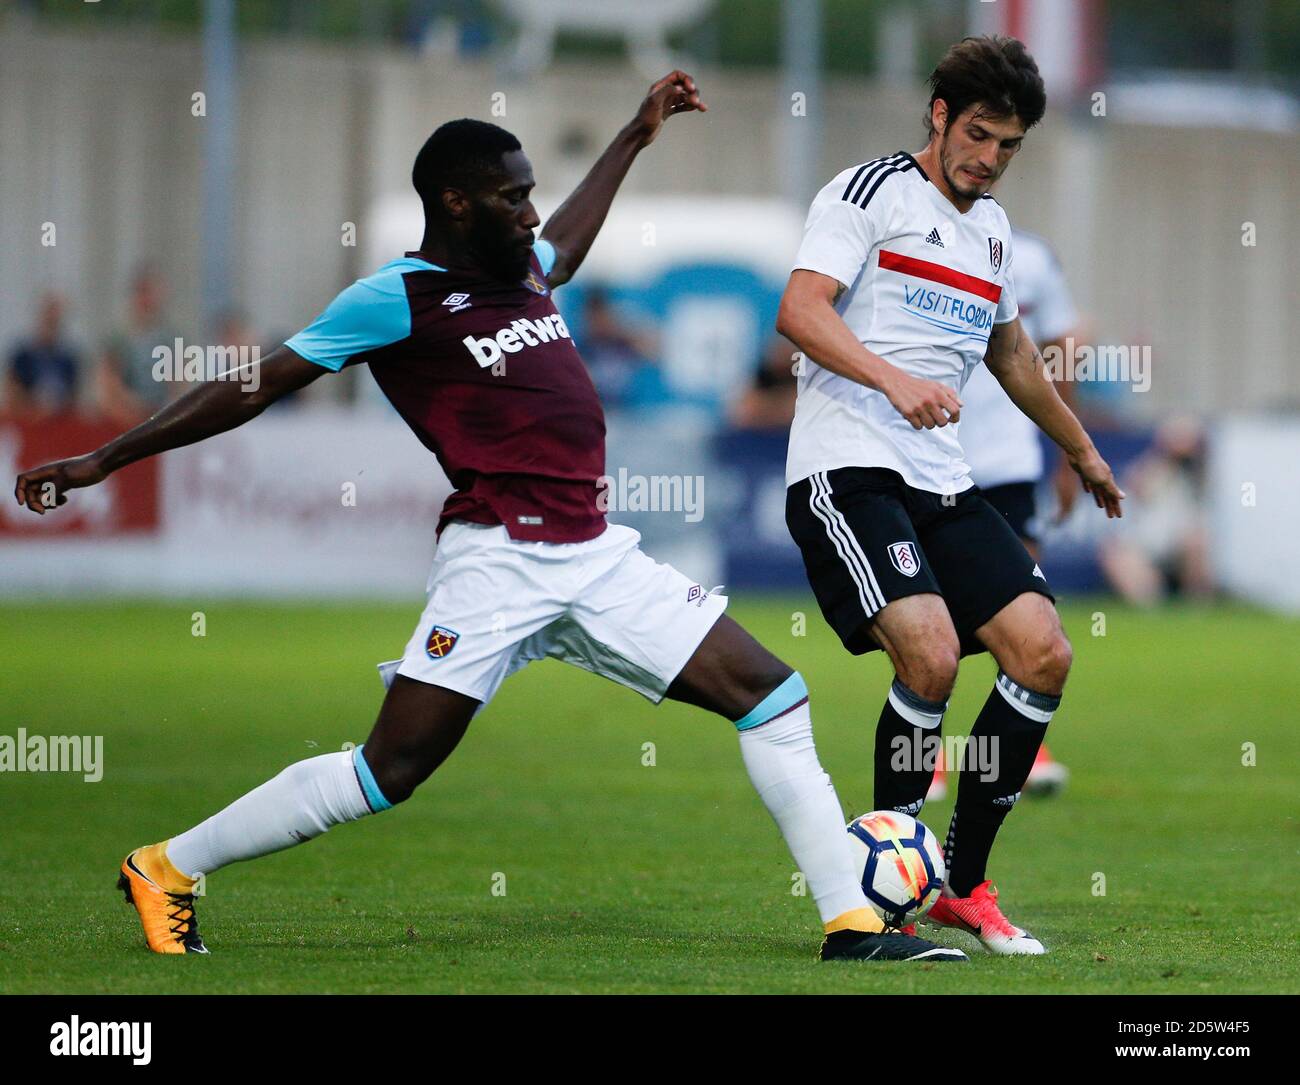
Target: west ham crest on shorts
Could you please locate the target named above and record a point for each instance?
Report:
(903, 557)
(441, 641)
(995, 252)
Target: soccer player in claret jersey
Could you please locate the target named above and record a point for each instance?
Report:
(464, 339)
(903, 284)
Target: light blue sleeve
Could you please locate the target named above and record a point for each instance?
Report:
(545, 255)
(371, 313)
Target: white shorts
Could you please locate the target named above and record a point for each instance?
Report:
(496, 604)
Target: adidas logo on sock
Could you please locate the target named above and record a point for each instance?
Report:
(934, 238)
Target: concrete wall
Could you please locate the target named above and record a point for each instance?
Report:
(98, 138)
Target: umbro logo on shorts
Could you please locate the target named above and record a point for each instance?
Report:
(902, 555)
(441, 641)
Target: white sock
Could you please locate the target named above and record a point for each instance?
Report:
(299, 804)
(783, 766)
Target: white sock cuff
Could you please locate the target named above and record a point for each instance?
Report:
(1039, 707)
(916, 709)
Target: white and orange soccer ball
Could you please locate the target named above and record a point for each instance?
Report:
(900, 863)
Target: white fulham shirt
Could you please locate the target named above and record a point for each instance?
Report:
(926, 284)
(1000, 442)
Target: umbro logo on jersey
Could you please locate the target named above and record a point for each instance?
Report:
(457, 302)
(934, 238)
(521, 333)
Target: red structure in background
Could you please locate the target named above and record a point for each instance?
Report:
(126, 504)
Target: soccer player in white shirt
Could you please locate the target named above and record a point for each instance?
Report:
(902, 286)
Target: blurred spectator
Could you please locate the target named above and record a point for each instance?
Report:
(768, 403)
(1161, 546)
(44, 371)
(128, 392)
(618, 358)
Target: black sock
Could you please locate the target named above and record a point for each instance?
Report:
(1002, 747)
(905, 752)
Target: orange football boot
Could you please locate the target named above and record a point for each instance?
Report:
(164, 899)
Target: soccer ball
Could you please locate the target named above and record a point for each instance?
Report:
(900, 864)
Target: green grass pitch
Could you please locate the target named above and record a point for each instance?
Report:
(619, 876)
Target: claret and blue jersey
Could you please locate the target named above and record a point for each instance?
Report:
(487, 376)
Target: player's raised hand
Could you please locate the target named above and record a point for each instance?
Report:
(46, 487)
(676, 92)
(926, 404)
(1100, 482)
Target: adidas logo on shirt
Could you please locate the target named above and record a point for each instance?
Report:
(934, 238)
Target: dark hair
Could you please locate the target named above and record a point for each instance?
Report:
(458, 155)
(996, 72)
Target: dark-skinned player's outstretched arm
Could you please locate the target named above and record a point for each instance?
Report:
(211, 408)
(217, 406)
(574, 225)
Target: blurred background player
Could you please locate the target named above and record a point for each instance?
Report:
(1164, 550)
(1003, 448)
(768, 403)
(619, 356)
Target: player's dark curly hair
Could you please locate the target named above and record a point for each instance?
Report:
(458, 155)
(994, 71)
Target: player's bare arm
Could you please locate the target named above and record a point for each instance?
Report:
(573, 227)
(807, 318)
(1017, 364)
(211, 408)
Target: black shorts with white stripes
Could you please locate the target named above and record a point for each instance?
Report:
(868, 538)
